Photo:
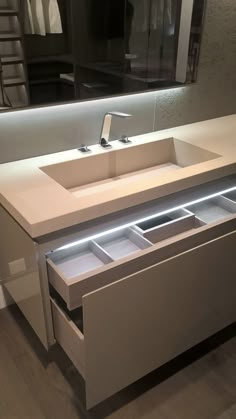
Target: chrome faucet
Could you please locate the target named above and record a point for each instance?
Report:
(106, 127)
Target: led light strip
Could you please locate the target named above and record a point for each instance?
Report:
(141, 220)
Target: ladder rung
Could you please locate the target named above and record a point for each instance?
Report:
(6, 11)
(9, 36)
(13, 81)
(11, 59)
(14, 105)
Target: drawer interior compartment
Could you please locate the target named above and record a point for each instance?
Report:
(67, 331)
(80, 259)
(231, 196)
(164, 226)
(214, 209)
(123, 243)
(105, 256)
(76, 270)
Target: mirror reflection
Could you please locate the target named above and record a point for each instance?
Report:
(55, 51)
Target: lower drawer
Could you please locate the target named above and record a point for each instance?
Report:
(68, 334)
(125, 334)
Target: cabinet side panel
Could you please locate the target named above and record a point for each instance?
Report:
(5, 299)
(139, 323)
(19, 273)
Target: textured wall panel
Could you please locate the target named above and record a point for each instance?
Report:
(214, 94)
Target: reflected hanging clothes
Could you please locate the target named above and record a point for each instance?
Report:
(150, 14)
(52, 16)
(169, 14)
(38, 17)
(161, 9)
(46, 17)
(28, 18)
(141, 15)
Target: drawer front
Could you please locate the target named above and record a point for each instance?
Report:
(139, 323)
(72, 291)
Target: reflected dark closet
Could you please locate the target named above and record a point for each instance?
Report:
(48, 57)
(110, 47)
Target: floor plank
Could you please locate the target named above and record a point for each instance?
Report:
(37, 385)
(15, 400)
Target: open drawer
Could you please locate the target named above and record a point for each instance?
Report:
(176, 304)
(84, 267)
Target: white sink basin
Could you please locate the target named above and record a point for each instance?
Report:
(130, 163)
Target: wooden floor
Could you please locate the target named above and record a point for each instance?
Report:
(35, 385)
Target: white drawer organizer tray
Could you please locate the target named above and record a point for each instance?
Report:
(86, 266)
(167, 225)
(231, 196)
(110, 292)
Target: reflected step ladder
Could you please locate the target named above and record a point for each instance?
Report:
(14, 91)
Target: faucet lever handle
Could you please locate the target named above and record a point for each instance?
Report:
(84, 149)
(125, 139)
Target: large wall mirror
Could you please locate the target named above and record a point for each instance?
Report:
(54, 51)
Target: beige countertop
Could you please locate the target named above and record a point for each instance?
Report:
(42, 206)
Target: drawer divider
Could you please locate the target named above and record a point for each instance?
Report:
(227, 203)
(140, 240)
(100, 252)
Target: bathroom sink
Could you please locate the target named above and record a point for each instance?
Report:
(129, 163)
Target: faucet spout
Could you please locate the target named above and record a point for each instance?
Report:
(106, 127)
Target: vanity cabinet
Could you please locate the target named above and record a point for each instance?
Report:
(125, 295)
(138, 323)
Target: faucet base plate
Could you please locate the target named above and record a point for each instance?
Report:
(106, 145)
(125, 140)
(84, 149)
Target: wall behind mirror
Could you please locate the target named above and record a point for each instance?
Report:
(86, 49)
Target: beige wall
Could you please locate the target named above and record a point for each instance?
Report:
(28, 133)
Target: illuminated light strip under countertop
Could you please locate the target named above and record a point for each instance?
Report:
(141, 220)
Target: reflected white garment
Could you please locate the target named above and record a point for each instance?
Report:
(52, 16)
(169, 11)
(28, 18)
(38, 17)
(46, 17)
(146, 7)
(141, 15)
(159, 8)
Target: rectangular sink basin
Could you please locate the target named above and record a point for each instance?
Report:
(130, 163)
